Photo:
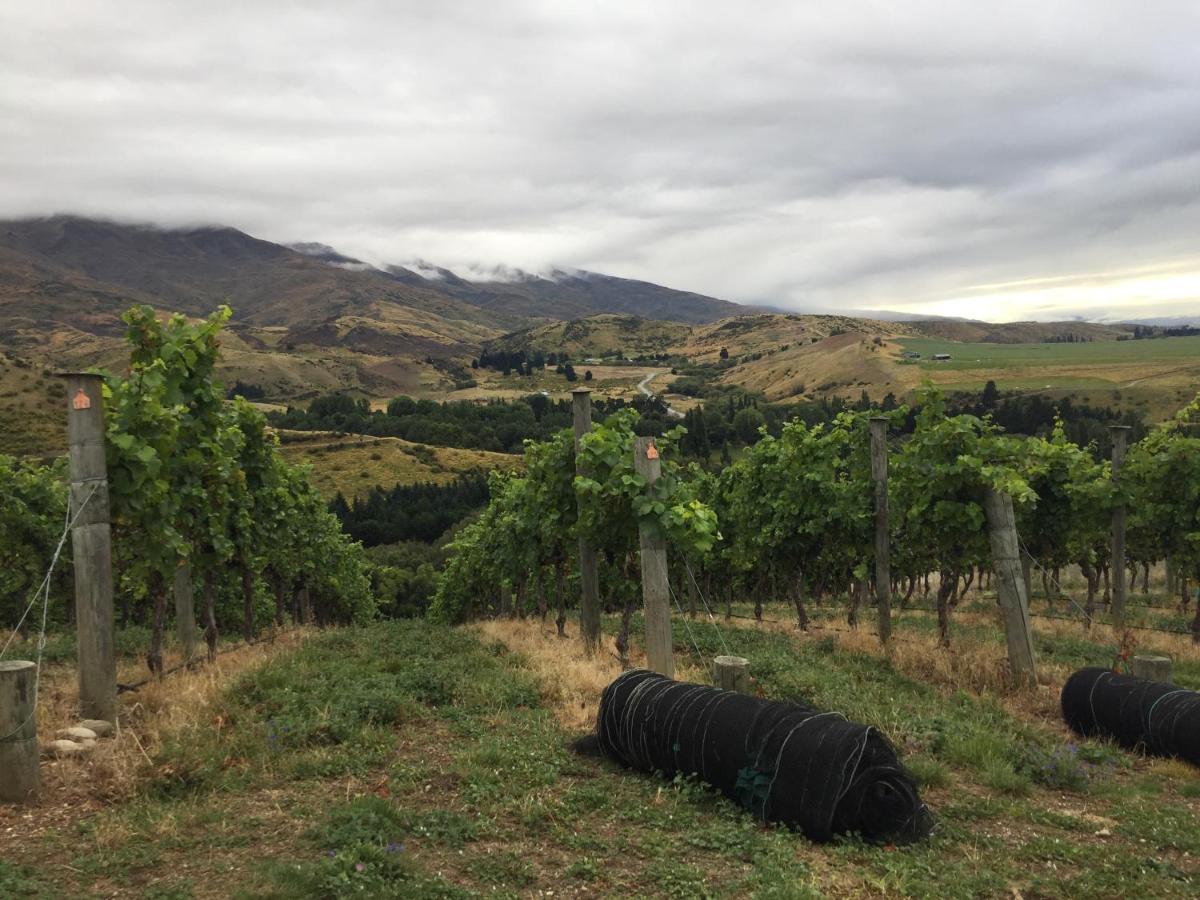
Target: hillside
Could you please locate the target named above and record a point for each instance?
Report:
(352, 465)
(572, 294)
(603, 335)
(634, 336)
(66, 270)
(842, 365)
(307, 319)
(80, 271)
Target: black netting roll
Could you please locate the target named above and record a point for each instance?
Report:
(786, 763)
(1160, 719)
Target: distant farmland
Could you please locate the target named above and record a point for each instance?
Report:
(1156, 374)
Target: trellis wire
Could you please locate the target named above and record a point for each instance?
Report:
(43, 591)
(699, 655)
(707, 608)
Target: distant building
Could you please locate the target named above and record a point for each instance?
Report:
(910, 354)
(941, 356)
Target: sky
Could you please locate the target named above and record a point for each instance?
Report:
(1025, 160)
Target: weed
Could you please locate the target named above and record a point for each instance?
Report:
(583, 870)
(17, 881)
(1062, 767)
(928, 772)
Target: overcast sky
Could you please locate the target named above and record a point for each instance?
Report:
(1000, 161)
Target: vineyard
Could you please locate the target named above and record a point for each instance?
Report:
(201, 502)
(892, 566)
(795, 518)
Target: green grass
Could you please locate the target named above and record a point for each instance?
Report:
(405, 760)
(1181, 350)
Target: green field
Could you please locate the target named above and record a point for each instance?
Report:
(1181, 350)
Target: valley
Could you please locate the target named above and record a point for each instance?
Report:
(308, 321)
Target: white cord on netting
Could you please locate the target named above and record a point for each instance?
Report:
(43, 592)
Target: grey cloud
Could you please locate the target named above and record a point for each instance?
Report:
(866, 154)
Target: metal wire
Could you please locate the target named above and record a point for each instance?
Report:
(43, 591)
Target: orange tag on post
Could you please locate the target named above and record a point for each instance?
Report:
(82, 400)
(651, 452)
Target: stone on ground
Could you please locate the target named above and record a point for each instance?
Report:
(77, 733)
(101, 727)
(63, 749)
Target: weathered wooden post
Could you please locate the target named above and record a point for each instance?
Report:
(18, 732)
(1154, 668)
(1120, 434)
(883, 571)
(589, 578)
(185, 610)
(656, 588)
(732, 673)
(1010, 585)
(91, 544)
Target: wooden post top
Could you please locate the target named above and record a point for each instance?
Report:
(15, 665)
(646, 461)
(581, 390)
(1120, 428)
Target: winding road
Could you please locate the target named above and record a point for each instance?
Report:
(643, 386)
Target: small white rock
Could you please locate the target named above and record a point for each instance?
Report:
(63, 748)
(101, 727)
(77, 734)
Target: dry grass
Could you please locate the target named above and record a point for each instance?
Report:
(177, 704)
(354, 464)
(571, 683)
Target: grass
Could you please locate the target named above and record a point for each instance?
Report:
(1178, 350)
(1155, 377)
(406, 760)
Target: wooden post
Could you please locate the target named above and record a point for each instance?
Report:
(1120, 433)
(656, 588)
(18, 732)
(883, 571)
(91, 543)
(1153, 668)
(185, 610)
(1010, 585)
(732, 673)
(589, 578)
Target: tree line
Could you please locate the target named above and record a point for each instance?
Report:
(501, 426)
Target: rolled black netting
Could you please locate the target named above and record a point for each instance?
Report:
(813, 771)
(1157, 718)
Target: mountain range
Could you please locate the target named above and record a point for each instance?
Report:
(82, 273)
